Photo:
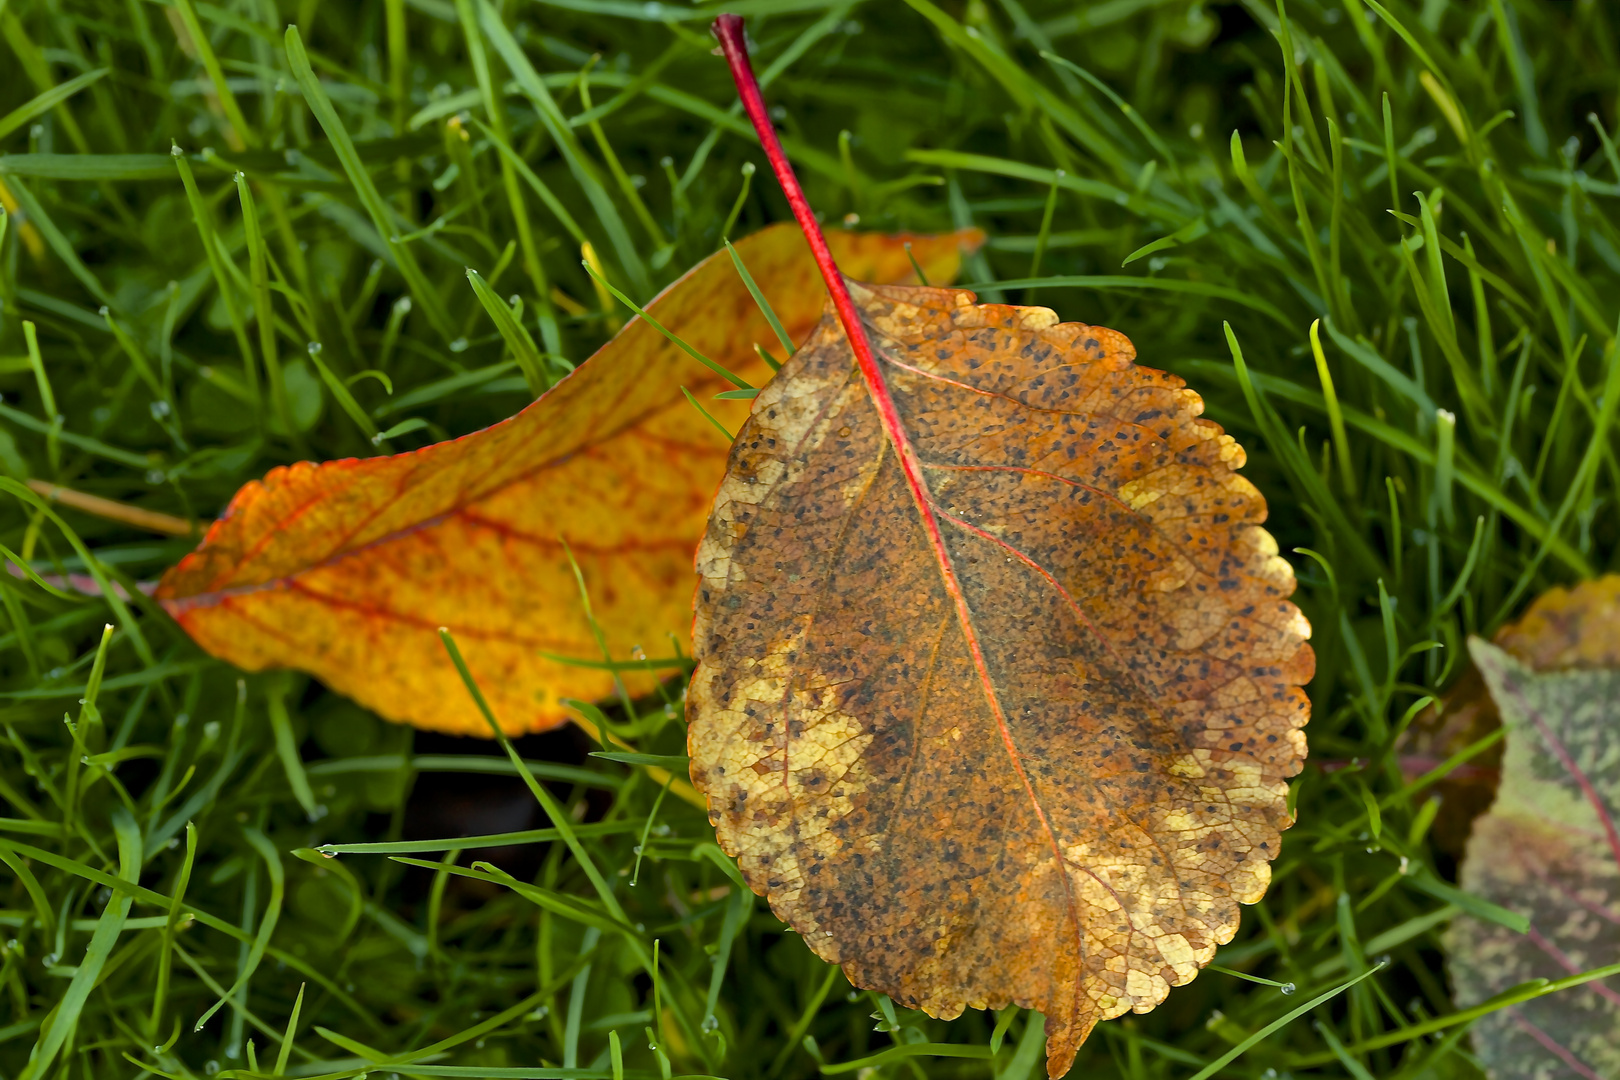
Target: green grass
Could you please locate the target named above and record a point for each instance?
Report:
(1436, 185)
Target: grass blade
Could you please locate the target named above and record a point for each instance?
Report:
(321, 105)
(759, 297)
(47, 101)
(1278, 1024)
(517, 339)
(267, 925)
(108, 927)
(567, 144)
(734, 380)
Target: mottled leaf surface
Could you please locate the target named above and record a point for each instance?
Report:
(1056, 791)
(1576, 627)
(1549, 848)
(346, 569)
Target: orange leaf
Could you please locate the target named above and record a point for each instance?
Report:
(346, 569)
(1040, 756)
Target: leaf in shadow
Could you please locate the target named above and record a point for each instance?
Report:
(1549, 847)
(1577, 627)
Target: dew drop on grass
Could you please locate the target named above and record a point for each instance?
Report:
(710, 1024)
(1287, 988)
(459, 345)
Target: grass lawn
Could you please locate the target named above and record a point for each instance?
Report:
(1431, 179)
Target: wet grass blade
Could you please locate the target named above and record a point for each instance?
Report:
(1281, 1022)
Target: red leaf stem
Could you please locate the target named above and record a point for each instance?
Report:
(733, 43)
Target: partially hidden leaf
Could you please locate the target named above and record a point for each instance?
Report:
(346, 569)
(1577, 627)
(1039, 757)
(1569, 628)
(1549, 847)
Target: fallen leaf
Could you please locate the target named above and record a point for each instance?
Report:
(1056, 790)
(1564, 628)
(346, 569)
(1549, 847)
(1569, 628)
